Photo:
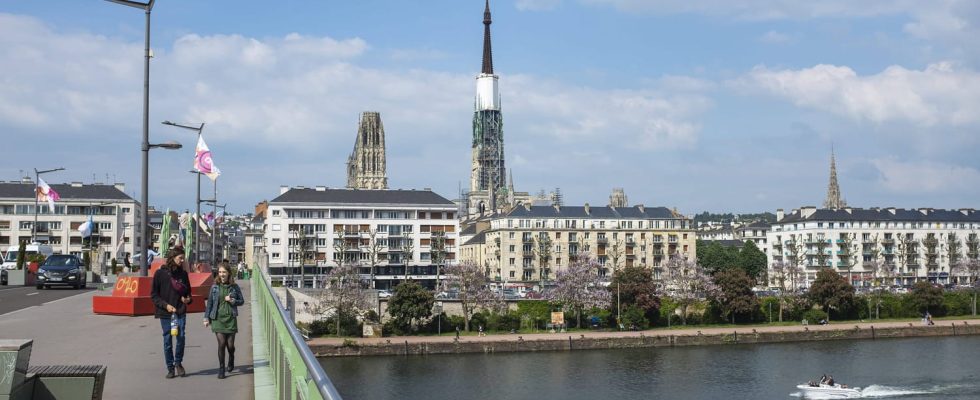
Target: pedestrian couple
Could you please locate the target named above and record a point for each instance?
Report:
(171, 294)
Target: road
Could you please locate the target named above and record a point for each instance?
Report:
(13, 298)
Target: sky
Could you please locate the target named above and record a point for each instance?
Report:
(717, 105)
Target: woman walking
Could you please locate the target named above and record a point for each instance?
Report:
(221, 314)
(171, 293)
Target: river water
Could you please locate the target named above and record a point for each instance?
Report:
(918, 368)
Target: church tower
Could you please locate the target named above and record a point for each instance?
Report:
(487, 172)
(834, 199)
(366, 166)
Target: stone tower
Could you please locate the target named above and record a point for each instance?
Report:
(487, 172)
(366, 167)
(834, 199)
(618, 198)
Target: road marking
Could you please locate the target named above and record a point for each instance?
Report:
(92, 292)
(31, 294)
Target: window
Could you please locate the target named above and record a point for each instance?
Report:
(105, 226)
(275, 213)
(275, 240)
(26, 225)
(4, 224)
(126, 210)
(276, 227)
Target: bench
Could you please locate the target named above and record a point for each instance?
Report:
(67, 382)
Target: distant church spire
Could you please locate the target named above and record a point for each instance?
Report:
(366, 166)
(834, 199)
(487, 54)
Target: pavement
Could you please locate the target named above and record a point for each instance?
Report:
(692, 331)
(65, 331)
(14, 298)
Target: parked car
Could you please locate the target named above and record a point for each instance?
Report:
(384, 294)
(61, 269)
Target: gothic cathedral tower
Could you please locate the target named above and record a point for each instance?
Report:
(366, 166)
(487, 171)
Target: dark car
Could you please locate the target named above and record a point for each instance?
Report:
(61, 269)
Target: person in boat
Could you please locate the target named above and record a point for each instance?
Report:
(830, 380)
(823, 379)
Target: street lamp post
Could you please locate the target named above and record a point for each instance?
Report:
(144, 195)
(37, 181)
(197, 228)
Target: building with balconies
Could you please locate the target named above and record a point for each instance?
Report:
(391, 235)
(911, 245)
(115, 216)
(530, 244)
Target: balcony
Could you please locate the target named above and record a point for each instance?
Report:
(527, 253)
(527, 240)
(602, 240)
(887, 241)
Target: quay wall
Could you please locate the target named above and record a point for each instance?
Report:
(575, 341)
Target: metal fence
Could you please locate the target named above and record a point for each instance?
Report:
(298, 374)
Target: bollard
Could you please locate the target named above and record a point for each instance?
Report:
(736, 336)
(873, 337)
(954, 328)
(570, 343)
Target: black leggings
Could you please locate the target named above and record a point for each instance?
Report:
(225, 341)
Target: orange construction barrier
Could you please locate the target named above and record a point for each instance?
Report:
(131, 294)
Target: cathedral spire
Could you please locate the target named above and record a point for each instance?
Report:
(487, 54)
(833, 189)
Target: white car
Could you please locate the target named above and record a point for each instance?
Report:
(384, 294)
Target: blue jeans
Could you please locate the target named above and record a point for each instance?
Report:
(170, 354)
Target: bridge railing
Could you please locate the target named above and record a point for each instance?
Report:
(298, 374)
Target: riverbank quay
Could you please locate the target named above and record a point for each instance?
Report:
(66, 332)
(421, 345)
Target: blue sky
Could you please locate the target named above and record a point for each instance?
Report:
(720, 105)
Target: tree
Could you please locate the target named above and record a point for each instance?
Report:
(374, 250)
(468, 280)
(970, 268)
(753, 261)
(821, 245)
(907, 253)
(687, 282)
(345, 293)
(21, 257)
(926, 298)
(831, 291)
(882, 272)
(635, 287)
(542, 249)
(848, 252)
(615, 253)
(787, 275)
(735, 295)
(714, 257)
(409, 303)
(437, 251)
(579, 287)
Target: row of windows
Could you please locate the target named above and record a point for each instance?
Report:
(876, 224)
(53, 225)
(598, 224)
(365, 214)
(60, 209)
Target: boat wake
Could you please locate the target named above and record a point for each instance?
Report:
(881, 391)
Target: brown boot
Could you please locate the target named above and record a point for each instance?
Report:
(180, 371)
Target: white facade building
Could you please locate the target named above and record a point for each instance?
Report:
(915, 245)
(114, 214)
(405, 234)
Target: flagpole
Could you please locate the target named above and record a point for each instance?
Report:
(214, 214)
(37, 185)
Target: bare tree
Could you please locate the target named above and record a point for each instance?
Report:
(579, 287)
(346, 293)
(408, 250)
(908, 254)
(687, 283)
(374, 250)
(542, 250)
(615, 253)
(437, 251)
(468, 280)
(821, 255)
(848, 248)
(971, 269)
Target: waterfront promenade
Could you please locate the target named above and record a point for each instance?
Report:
(686, 331)
(66, 332)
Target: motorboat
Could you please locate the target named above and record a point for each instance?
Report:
(825, 391)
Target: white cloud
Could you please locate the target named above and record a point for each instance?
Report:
(926, 177)
(940, 94)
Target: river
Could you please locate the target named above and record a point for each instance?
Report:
(917, 368)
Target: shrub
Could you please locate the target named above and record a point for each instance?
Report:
(958, 302)
(634, 316)
(320, 327)
(814, 316)
(504, 322)
(477, 320)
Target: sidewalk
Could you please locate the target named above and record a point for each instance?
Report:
(692, 331)
(67, 332)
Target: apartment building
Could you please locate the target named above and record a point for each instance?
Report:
(392, 235)
(915, 244)
(532, 243)
(115, 216)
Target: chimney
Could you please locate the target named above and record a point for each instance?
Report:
(891, 210)
(780, 214)
(76, 184)
(807, 211)
(427, 189)
(848, 209)
(283, 189)
(321, 188)
(643, 209)
(587, 209)
(120, 186)
(557, 209)
(924, 211)
(966, 211)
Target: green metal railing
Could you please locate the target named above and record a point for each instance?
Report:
(298, 374)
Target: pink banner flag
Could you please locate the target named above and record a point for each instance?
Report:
(203, 162)
(46, 193)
